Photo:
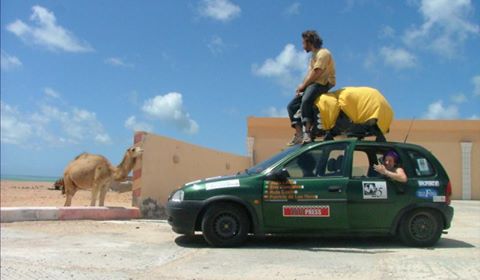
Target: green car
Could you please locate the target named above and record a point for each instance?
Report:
(323, 188)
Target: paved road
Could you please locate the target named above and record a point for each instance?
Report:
(150, 250)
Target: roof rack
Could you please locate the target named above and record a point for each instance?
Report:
(359, 135)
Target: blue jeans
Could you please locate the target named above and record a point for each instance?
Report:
(304, 102)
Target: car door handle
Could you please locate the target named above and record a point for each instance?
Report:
(335, 189)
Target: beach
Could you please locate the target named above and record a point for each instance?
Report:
(40, 193)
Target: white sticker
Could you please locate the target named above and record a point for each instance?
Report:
(213, 178)
(222, 184)
(422, 164)
(193, 182)
(439, 198)
(374, 190)
(428, 183)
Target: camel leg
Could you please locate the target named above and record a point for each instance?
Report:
(70, 190)
(103, 193)
(94, 194)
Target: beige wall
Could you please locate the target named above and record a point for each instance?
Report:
(167, 164)
(442, 138)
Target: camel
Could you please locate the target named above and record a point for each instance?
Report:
(89, 171)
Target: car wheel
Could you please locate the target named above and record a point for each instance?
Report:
(225, 225)
(421, 228)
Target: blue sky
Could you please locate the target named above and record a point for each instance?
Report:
(82, 76)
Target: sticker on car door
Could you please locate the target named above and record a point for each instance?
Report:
(374, 190)
(306, 211)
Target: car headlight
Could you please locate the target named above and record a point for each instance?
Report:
(177, 196)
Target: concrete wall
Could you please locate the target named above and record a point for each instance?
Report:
(167, 164)
(442, 138)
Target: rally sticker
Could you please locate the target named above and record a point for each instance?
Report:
(426, 193)
(222, 184)
(439, 198)
(375, 190)
(306, 211)
(428, 183)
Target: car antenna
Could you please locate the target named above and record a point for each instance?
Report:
(408, 132)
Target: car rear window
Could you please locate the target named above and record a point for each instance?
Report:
(421, 165)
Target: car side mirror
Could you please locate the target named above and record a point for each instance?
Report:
(281, 175)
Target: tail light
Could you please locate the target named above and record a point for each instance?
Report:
(448, 193)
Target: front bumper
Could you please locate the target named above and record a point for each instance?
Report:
(182, 216)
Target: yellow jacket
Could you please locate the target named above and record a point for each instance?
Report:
(360, 104)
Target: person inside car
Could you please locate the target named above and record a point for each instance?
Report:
(306, 162)
(390, 167)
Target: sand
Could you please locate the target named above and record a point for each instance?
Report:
(28, 193)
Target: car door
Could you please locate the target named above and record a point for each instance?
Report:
(313, 196)
(373, 200)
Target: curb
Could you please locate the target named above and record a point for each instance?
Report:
(18, 214)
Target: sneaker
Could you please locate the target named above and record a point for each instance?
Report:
(306, 138)
(297, 139)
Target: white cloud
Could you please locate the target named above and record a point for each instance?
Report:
(169, 108)
(222, 10)
(287, 68)
(14, 130)
(275, 112)
(398, 58)
(459, 98)
(45, 32)
(387, 32)
(9, 62)
(474, 117)
(476, 85)
(51, 93)
(47, 124)
(293, 9)
(370, 60)
(133, 124)
(115, 61)
(216, 45)
(445, 28)
(77, 125)
(436, 111)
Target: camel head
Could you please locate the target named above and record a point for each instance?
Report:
(134, 152)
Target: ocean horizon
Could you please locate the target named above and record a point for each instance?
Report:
(36, 178)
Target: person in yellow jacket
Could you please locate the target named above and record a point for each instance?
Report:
(319, 79)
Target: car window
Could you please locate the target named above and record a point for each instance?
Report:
(421, 165)
(267, 163)
(364, 157)
(318, 162)
(360, 164)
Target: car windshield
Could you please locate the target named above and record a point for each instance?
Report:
(267, 163)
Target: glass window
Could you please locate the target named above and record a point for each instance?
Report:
(361, 164)
(364, 157)
(318, 162)
(269, 162)
(421, 165)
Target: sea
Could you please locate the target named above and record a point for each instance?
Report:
(28, 178)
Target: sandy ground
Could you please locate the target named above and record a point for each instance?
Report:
(148, 249)
(19, 193)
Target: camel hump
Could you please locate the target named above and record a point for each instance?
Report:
(80, 155)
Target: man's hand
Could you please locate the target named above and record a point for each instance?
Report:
(300, 89)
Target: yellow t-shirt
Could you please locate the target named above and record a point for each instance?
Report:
(323, 60)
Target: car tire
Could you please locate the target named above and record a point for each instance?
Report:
(421, 228)
(225, 225)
